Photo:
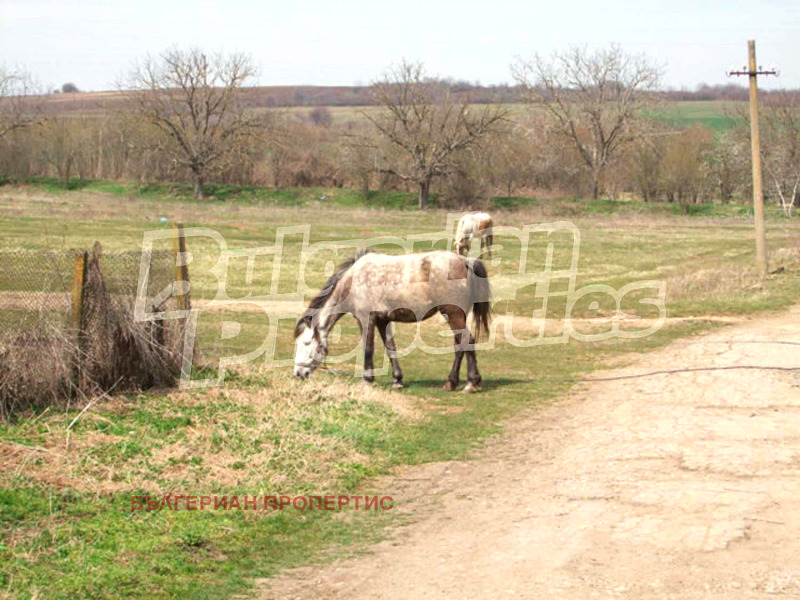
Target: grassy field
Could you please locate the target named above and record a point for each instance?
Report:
(715, 114)
(66, 525)
(349, 105)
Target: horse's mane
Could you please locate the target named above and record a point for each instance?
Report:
(321, 298)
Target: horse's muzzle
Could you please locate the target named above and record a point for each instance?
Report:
(302, 372)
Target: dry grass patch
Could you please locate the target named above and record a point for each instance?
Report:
(36, 369)
(730, 280)
(277, 437)
(724, 279)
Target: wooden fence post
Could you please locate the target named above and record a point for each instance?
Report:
(181, 268)
(78, 281)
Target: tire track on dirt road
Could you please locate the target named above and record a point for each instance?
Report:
(672, 485)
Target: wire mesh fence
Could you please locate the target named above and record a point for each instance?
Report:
(36, 286)
(34, 289)
(67, 324)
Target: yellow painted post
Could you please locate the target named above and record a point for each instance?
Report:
(181, 268)
(78, 280)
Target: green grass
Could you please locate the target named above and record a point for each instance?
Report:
(97, 548)
(228, 193)
(66, 528)
(710, 113)
(167, 195)
(715, 114)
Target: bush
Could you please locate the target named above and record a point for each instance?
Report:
(321, 117)
(463, 189)
(36, 370)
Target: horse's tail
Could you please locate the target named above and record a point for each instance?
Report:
(480, 295)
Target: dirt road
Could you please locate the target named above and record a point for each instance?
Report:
(638, 485)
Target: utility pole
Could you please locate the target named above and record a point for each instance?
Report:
(758, 191)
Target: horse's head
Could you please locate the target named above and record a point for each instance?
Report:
(311, 339)
(311, 347)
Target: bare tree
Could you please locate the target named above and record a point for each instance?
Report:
(426, 125)
(780, 149)
(19, 108)
(595, 99)
(645, 166)
(61, 141)
(510, 157)
(685, 170)
(358, 154)
(191, 98)
(729, 163)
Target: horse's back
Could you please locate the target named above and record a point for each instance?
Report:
(396, 284)
(483, 221)
(475, 223)
(465, 226)
(416, 267)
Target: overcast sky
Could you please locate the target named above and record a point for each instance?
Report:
(93, 42)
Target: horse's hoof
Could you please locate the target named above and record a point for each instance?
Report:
(470, 388)
(448, 386)
(366, 382)
(398, 385)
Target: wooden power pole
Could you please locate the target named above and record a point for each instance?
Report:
(752, 71)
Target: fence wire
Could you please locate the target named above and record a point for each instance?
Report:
(36, 285)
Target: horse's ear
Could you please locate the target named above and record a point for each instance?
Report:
(302, 323)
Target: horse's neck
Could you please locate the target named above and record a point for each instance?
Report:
(328, 320)
(334, 309)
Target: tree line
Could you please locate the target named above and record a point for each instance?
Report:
(586, 124)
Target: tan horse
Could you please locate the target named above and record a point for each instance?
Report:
(474, 225)
(380, 288)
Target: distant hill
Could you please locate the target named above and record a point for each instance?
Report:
(310, 95)
(277, 96)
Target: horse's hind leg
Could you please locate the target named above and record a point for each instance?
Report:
(465, 344)
(387, 335)
(473, 375)
(458, 323)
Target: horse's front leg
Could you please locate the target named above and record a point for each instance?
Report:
(369, 350)
(387, 336)
(486, 242)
